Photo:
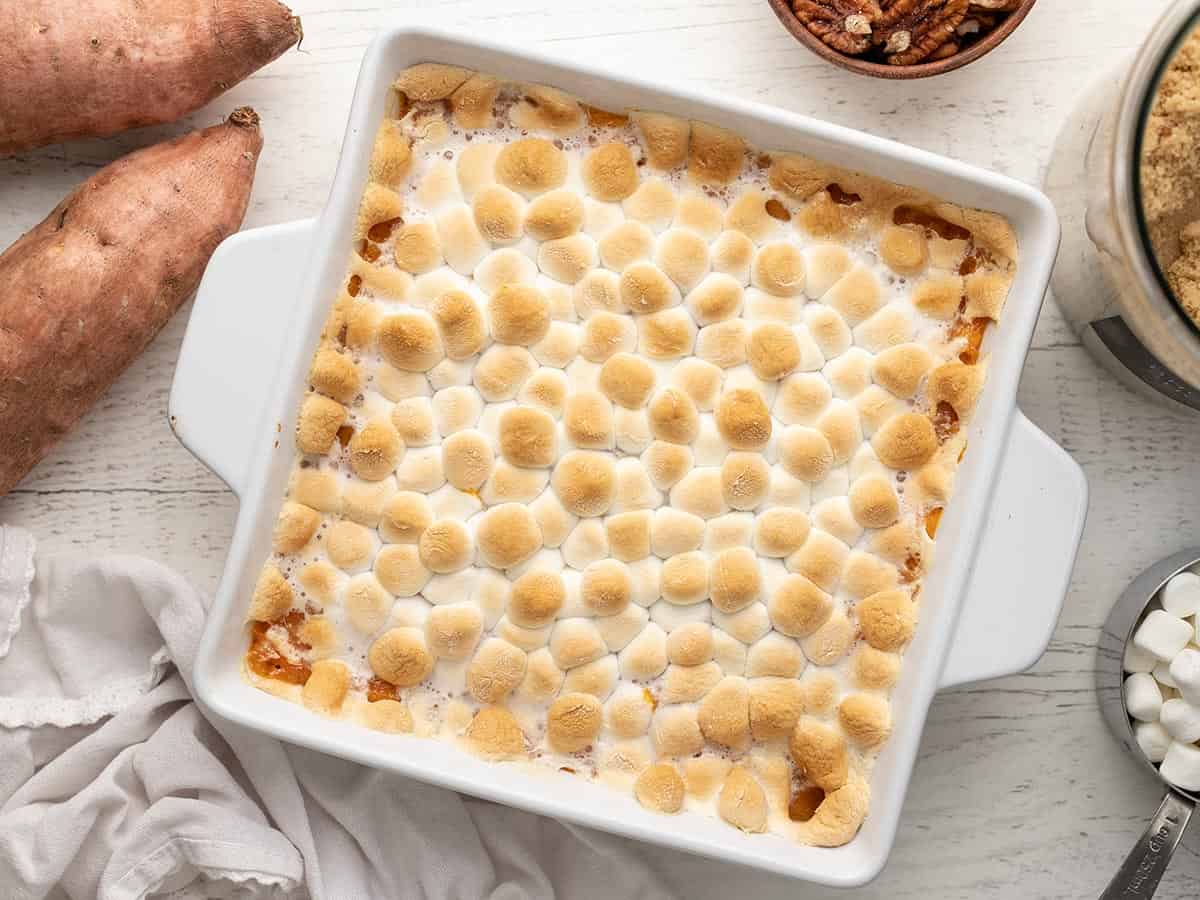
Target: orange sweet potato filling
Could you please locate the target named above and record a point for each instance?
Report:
(945, 421)
(913, 215)
(776, 210)
(378, 689)
(368, 251)
(804, 803)
(603, 118)
(266, 661)
(841, 196)
(381, 231)
(973, 330)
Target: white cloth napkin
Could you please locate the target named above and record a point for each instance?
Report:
(113, 784)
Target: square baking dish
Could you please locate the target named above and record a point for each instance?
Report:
(1006, 544)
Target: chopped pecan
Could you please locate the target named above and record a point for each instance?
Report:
(911, 30)
(996, 6)
(845, 25)
(945, 51)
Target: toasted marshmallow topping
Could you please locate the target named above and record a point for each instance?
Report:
(624, 449)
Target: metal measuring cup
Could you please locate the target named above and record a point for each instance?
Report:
(1143, 868)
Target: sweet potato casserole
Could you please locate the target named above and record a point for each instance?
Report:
(624, 452)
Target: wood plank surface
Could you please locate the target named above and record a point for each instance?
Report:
(1019, 791)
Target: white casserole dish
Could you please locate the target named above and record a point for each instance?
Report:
(990, 600)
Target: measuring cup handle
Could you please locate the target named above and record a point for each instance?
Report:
(1143, 868)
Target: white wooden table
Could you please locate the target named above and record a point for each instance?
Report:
(1019, 790)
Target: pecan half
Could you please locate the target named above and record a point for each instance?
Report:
(845, 25)
(996, 6)
(911, 30)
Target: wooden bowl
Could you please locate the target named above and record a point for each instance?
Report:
(800, 32)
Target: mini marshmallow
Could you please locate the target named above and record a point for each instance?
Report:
(452, 587)
(1153, 739)
(1163, 634)
(1181, 719)
(1181, 595)
(1137, 660)
(1162, 674)
(1183, 674)
(1181, 766)
(1143, 697)
(448, 502)
(670, 616)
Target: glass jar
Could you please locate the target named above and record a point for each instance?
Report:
(1108, 282)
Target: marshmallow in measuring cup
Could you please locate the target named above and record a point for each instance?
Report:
(1143, 697)
(1163, 634)
(1181, 719)
(1153, 739)
(1138, 660)
(1181, 766)
(1184, 673)
(1181, 595)
(1162, 673)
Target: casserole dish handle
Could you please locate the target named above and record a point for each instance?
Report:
(233, 344)
(1024, 562)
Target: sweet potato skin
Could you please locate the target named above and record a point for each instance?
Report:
(91, 68)
(84, 292)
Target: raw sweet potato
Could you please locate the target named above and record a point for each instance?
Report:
(83, 293)
(90, 68)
